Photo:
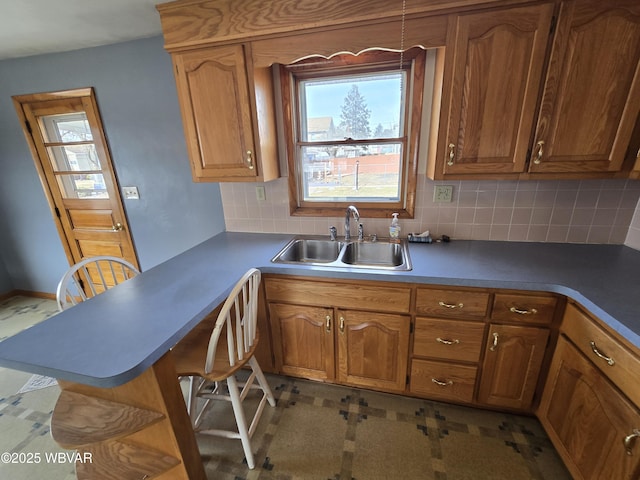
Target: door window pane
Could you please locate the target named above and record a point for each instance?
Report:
(68, 127)
(73, 158)
(90, 186)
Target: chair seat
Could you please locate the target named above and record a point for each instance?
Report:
(190, 355)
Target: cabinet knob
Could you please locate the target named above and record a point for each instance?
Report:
(250, 159)
(118, 227)
(539, 146)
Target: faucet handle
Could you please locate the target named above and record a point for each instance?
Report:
(333, 233)
(360, 232)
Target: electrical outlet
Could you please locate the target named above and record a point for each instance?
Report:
(261, 195)
(130, 193)
(443, 193)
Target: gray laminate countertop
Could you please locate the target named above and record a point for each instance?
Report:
(112, 338)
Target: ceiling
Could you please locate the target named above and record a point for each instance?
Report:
(34, 27)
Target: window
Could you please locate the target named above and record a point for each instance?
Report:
(352, 128)
(73, 155)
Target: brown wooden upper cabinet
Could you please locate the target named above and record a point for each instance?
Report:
(494, 64)
(228, 138)
(589, 94)
(536, 89)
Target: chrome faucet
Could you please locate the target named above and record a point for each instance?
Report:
(347, 220)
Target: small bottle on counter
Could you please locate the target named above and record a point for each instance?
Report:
(394, 228)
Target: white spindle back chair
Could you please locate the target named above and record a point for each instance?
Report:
(90, 277)
(210, 360)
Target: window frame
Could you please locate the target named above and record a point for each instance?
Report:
(369, 61)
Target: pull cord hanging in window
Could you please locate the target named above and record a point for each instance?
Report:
(404, 9)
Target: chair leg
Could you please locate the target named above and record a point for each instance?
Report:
(262, 381)
(193, 398)
(241, 421)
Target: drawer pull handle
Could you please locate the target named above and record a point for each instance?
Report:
(630, 440)
(610, 361)
(328, 324)
(451, 305)
(521, 311)
(447, 342)
(448, 383)
(494, 345)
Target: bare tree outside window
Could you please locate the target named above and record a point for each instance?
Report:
(355, 115)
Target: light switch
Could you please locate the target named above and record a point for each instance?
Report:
(261, 195)
(443, 193)
(130, 193)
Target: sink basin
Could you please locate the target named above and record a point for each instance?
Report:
(305, 250)
(318, 251)
(376, 254)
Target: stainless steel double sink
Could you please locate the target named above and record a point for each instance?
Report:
(319, 251)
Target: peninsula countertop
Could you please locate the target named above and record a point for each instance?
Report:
(114, 337)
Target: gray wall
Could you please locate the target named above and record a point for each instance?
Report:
(136, 94)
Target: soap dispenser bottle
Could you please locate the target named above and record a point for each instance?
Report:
(394, 228)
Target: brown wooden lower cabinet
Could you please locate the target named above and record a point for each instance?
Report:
(373, 349)
(303, 340)
(366, 349)
(589, 421)
(512, 362)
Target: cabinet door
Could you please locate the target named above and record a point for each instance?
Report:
(591, 96)
(498, 58)
(213, 91)
(590, 423)
(373, 349)
(512, 362)
(303, 340)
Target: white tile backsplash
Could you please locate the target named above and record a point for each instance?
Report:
(577, 211)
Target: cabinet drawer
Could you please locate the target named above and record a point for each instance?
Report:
(625, 371)
(443, 380)
(452, 303)
(523, 308)
(340, 295)
(448, 339)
